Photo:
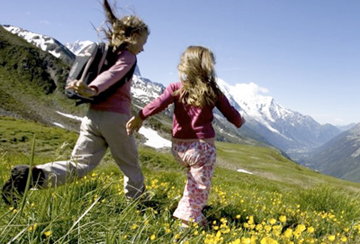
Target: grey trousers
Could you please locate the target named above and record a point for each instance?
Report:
(99, 130)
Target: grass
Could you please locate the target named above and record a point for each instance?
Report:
(280, 202)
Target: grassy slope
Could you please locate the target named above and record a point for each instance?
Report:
(31, 83)
(276, 187)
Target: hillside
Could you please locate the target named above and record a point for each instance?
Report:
(342, 150)
(39, 97)
(261, 162)
(32, 83)
(258, 196)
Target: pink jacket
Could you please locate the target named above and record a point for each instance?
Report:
(120, 101)
(190, 122)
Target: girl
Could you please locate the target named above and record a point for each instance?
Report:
(104, 124)
(194, 98)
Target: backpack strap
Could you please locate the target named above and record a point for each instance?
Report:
(112, 89)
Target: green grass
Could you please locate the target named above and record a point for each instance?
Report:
(280, 202)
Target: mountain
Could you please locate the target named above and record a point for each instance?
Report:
(267, 121)
(32, 83)
(45, 43)
(290, 131)
(340, 157)
(75, 47)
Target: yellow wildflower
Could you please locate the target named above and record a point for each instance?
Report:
(331, 238)
(282, 218)
(272, 221)
(311, 230)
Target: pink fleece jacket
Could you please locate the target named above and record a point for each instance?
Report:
(120, 101)
(190, 122)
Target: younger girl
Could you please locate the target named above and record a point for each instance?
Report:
(194, 98)
(104, 124)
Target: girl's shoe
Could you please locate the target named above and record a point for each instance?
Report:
(15, 187)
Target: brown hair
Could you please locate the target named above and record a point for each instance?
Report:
(120, 31)
(197, 75)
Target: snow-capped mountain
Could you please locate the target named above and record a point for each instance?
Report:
(287, 130)
(43, 42)
(76, 47)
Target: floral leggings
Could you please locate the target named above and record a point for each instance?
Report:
(199, 158)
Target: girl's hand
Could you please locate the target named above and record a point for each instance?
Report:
(81, 88)
(134, 124)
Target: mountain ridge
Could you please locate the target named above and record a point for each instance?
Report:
(268, 123)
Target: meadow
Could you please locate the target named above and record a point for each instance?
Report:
(271, 200)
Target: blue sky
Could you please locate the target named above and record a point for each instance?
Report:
(303, 53)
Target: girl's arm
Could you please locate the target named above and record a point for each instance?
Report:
(155, 106)
(159, 104)
(230, 113)
(134, 124)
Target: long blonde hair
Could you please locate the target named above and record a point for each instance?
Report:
(120, 31)
(197, 75)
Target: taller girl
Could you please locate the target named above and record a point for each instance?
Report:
(194, 98)
(104, 124)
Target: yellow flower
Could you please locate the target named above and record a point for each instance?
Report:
(288, 233)
(331, 238)
(272, 221)
(47, 233)
(343, 239)
(267, 228)
(259, 227)
(311, 229)
(300, 228)
(152, 237)
(134, 226)
(282, 218)
(268, 240)
(33, 227)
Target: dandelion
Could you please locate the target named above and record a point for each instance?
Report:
(152, 237)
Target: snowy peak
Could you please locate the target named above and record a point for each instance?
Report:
(45, 43)
(76, 47)
(288, 130)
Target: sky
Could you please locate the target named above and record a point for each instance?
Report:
(303, 53)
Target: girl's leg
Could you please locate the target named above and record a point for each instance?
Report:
(87, 154)
(200, 158)
(124, 151)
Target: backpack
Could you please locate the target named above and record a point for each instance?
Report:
(91, 61)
